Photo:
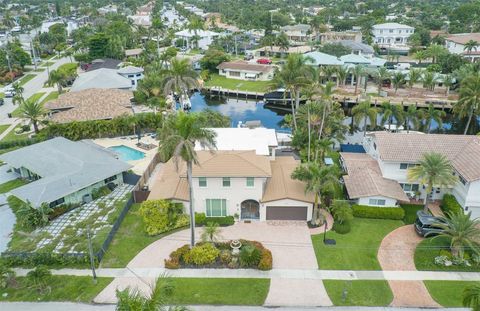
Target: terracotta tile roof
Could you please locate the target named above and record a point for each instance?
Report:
(90, 104)
(282, 186)
(462, 38)
(462, 150)
(365, 179)
(241, 65)
(169, 185)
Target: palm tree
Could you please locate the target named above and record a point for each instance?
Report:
(429, 79)
(294, 75)
(282, 42)
(358, 72)
(471, 297)
(420, 56)
(180, 77)
(57, 77)
(433, 170)
(177, 141)
(398, 79)
(341, 72)
(448, 81)
(33, 111)
(158, 26)
(18, 89)
(461, 230)
(431, 114)
(412, 117)
(317, 179)
(134, 300)
(391, 111)
(380, 75)
(434, 51)
(364, 111)
(471, 45)
(468, 104)
(414, 75)
(211, 232)
(328, 72)
(327, 92)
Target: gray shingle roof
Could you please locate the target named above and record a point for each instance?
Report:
(65, 167)
(357, 46)
(102, 78)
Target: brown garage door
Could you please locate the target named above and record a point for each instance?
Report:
(286, 213)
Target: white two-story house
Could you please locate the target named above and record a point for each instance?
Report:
(392, 36)
(395, 153)
(251, 184)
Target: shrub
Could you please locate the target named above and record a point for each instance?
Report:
(342, 228)
(203, 254)
(341, 211)
(61, 209)
(6, 276)
(201, 220)
(161, 216)
(450, 205)
(363, 211)
(225, 256)
(266, 261)
(250, 256)
(100, 192)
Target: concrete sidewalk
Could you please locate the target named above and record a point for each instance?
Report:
(305, 274)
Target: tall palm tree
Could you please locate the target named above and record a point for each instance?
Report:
(429, 80)
(431, 114)
(158, 27)
(390, 112)
(468, 104)
(294, 75)
(433, 170)
(358, 72)
(327, 92)
(471, 297)
(412, 117)
(341, 72)
(364, 111)
(317, 179)
(328, 72)
(177, 141)
(420, 56)
(33, 111)
(57, 77)
(471, 45)
(461, 230)
(434, 51)
(282, 42)
(414, 75)
(380, 75)
(448, 81)
(134, 300)
(180, 77)
(398, 79)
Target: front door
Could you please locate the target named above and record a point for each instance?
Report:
(250, 209)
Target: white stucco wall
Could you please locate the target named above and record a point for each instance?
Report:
(389, 202)
(243, 75)
(285, 202)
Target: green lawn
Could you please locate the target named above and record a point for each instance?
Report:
(359, 293)
(447, 293)
(202, 291)
(62, 288)
(50, 96)
(129, 240)
(4, 127)
(16, 113)
(25, 79)
(2, 95)
(12, 136)
(410, 212)
(428, 249)
(233, 84)
(356, 250)
(10, 185)
(45, 64)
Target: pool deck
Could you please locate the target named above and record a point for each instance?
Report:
(139, 166)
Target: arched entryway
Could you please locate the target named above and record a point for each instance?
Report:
(250, 209)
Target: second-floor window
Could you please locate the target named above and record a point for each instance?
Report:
(250, 182)
(226, 181)
(202, 182)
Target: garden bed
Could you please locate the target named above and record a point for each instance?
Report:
(250, 254)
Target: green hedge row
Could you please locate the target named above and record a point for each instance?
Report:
(20, 259)
(201, 220)
(364, 211)
(450, 205)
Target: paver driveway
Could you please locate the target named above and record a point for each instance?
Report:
(289, 242)
(396, 253)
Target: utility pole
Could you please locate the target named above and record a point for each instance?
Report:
(90, 251)
(32, 46)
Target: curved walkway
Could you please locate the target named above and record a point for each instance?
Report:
(396, 253)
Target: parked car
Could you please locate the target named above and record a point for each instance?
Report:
(264, 61)
(248, 57)
(425, 224)
(9, 92)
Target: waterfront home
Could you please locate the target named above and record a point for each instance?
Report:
(205, 38)
(455, 44)
(276, 51)
(104, 78)
(358, 48)
(246, 71)
(90, 104)
(392, 36)
(61, 171)
(394, 153)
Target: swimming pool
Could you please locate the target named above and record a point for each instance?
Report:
(127, 153)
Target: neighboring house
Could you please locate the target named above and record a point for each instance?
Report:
(323, 59)
(456, 44)
(396, 152)
(124, 79)
(61, 171)
(297, 34)
(358, 48)
(70, 26)
(279, 52)
(336, 36)
(200, 38)
(95, 64)
(141, 20)
(392, 36)
(90, 104)
(111, 8)
(246, 71)
(133, 53)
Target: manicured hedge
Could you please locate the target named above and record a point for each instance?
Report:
(364, 211)
(450, 205)
(201, 220)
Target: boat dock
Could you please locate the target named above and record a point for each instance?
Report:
(221, 92)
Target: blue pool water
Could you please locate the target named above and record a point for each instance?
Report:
(127, 153)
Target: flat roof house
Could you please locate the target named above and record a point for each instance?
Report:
(246, 71)
(297, 34)
(61, 171)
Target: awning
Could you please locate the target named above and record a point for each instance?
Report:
(250, 75)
